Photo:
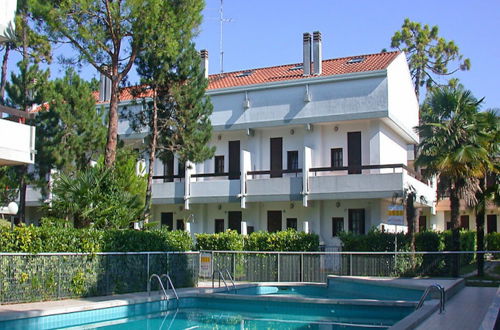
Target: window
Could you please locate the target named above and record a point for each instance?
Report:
(245, 73)
(167, 220)
(219, 226)
(356, 60)
(491, 223)
(336, 158)
(293, 160)
(422, 223)
(448, 225)
(273, 221)
(337, 226)
(168, 169)
(219, 164)
(250, 229)
(291, 223)
(464, 222)
(180, 224)
(357, 221)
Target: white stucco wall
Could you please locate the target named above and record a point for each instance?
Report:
(402, 101)
(17, 143)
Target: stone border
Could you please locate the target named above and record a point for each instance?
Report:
(492, 316)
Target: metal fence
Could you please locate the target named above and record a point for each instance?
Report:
(48, 276)
(316, 266)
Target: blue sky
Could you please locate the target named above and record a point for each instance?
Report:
(269, 32)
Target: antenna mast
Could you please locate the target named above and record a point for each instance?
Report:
(222, 20)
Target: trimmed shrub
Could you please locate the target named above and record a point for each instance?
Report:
(428, 241)
(289, 240)
(493, 243)
(56, 239)
(374, 241)
(229, 240)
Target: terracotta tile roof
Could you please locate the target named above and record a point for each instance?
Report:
(331, 67)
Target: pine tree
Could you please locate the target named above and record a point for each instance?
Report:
(70, 130)
(176, 111)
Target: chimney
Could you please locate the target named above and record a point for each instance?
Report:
(318, 53)
(307, 54)
(204, 62)
(104, 87)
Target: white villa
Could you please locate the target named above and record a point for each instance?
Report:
(321, 146)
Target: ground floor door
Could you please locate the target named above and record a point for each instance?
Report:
(273, 221)
(491, 223)
(357, 221)
(167, 220)
(234, 220)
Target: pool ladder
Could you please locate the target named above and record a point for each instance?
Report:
(160, 281)
(442, 296)
(221, 276)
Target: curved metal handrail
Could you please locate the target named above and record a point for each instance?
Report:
(169, 281)
(220, 277)
(231, 278)
(161, 285)
(442, 296)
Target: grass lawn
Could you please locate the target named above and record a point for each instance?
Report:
(491, 277)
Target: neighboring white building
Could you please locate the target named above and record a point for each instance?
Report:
(17, 140)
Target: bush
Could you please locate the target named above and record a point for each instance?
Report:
(57, 239)
(493, 243)
(428, 241)
(374, 241)
(289, 240)
(229, 240)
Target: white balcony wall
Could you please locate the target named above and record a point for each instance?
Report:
(283, 104)
(17, 143)
(402, 101)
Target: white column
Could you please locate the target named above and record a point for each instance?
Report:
(245, 166)
(190, 170)
(305, 175)
(306, 227)
(243, 228)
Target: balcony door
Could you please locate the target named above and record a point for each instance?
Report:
(273, 221)
(234, 160)
(354, 152)
(234, 220)
(168, 168)
(276, 157)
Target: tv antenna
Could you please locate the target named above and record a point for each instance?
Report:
(222, 20)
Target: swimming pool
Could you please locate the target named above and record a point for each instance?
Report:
(222, 313)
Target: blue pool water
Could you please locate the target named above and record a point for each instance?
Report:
(227, 313)
(338, 290)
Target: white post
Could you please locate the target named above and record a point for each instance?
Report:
(305, 175)
(306, 227)
(188, 227)
(244, 228)
(190, 169)
(245, 166)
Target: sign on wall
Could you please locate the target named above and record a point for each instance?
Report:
(205, 264)
(395, 215)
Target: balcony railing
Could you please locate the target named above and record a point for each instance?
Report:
(276, 173)
(359, 169)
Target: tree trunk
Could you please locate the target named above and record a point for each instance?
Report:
(3, 79)
(113, 122)
(455, 233)
(22, 193)
(410, 218)
(152, 153)
(480, 215)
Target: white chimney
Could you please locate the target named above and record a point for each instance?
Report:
(204, 62)
(317, 51)
(307, 54)
(104, 87)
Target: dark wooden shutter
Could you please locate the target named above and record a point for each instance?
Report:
(276, 157)
(273, 221)
(354, 152)
(234, 160)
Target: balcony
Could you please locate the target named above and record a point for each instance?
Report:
(17, 140)
(322, 183)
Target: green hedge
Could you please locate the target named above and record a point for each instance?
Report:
(289, 240)
(55, 239)
(493, 243)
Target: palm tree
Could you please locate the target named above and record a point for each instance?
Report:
(488, 126)
(452, 150)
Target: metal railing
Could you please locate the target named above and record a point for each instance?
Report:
(427, 291)
(260, 266)
(26, 277)
(159, 282)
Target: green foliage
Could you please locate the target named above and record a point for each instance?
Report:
(493, 243)
(375, 240)
(428, 54)
(8, 184)
(104, 198)
(229, 240)
(53, 239)
(289, 240)
(429, 241)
